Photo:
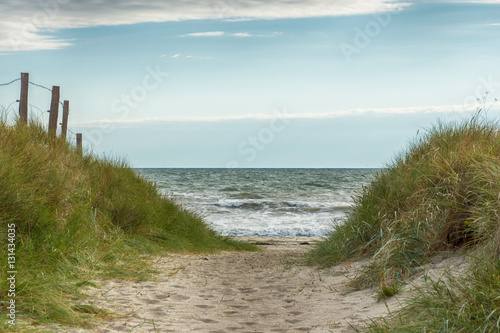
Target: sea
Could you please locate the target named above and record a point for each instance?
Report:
(264, 202)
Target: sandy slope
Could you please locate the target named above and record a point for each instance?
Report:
(268, 291)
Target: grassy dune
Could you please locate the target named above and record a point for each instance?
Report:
(441, 194)
(80, 218)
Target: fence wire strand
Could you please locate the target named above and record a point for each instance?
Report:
(41, 114)
(8, 83)
(33, 84)
(8, 113)
(43, 87)
(40, 86)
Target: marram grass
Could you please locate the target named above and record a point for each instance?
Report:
(441, 194)
(81, 218)
(468, 304)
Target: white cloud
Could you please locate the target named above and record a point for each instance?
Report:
(206, 34)
(242, 34)
(466, 109)
(178, 55)
(222, 33)
(274, 34)
(476, 1)
(27, 25)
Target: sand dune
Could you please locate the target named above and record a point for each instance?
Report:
(270, 291)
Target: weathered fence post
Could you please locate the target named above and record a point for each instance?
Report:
(54, 110)
(79, 143)
(64, 124)
(23, 100)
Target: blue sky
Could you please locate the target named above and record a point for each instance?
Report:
(245, 83)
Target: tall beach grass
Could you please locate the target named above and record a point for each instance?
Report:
(80, 218)
(441, 194)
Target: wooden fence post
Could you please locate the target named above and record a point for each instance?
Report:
(64, 124)
(79, 142)
(54, 110)
(23, 100)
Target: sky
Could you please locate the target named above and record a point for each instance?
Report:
(253, 83)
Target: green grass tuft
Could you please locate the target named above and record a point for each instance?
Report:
(468, 304)
(387, 291)
(441, 194)
(82, 218)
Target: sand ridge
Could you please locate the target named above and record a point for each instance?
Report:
(268, 291)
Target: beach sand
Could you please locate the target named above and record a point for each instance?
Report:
(268, 291)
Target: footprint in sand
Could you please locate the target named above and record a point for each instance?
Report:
(178, 287)
(233, 329)
(251, 300)
(159, 312)
(152, 301)
(177, 297)
(247, 290)
(230, 313)
(249, 323)
(124, 301)
(296, 313)
(208, 321)
(122, 328)
(162, 296)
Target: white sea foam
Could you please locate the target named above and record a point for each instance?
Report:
(264, 202)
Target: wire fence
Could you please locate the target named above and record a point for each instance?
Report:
(71, 134)
(10, 113)
(32, 84)
(7, 113)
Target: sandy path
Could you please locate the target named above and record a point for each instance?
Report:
(270, 291)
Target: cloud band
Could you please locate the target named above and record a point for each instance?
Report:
(27, 25)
